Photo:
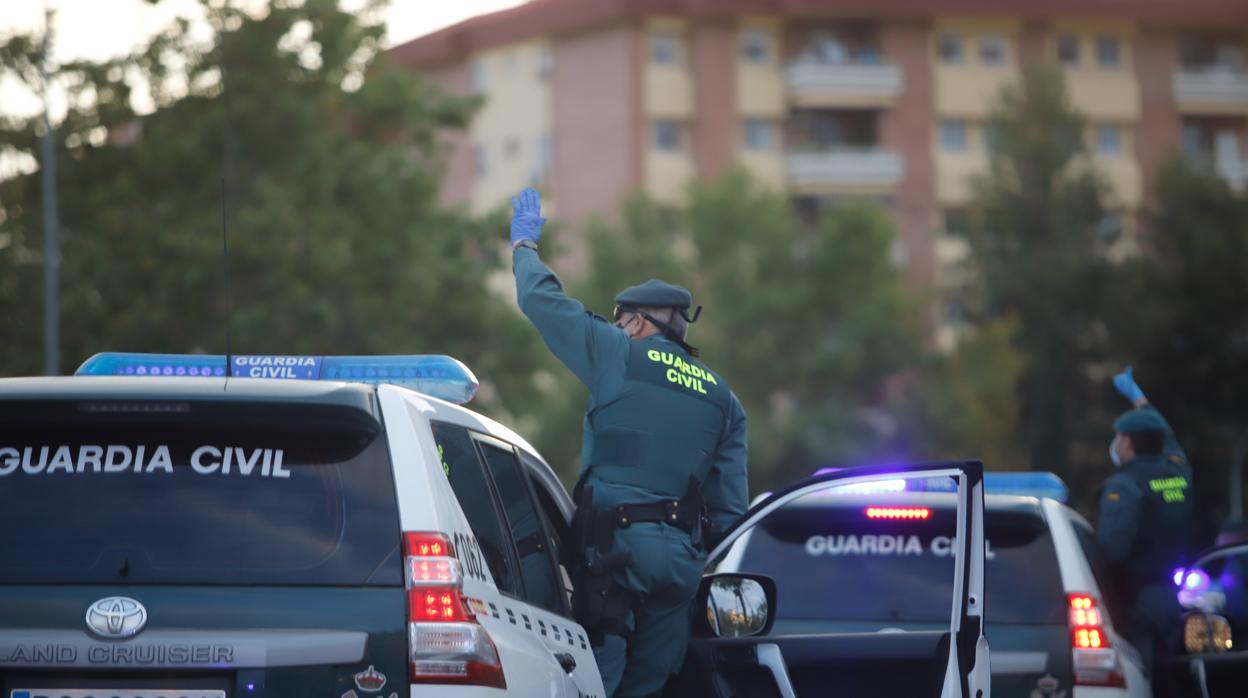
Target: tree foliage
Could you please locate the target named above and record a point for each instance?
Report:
(964, 404)
(330, 167)
(1039, 260)
(813, 326)
(1188, 329)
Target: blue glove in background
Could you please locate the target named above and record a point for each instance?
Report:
(526, 216)
(1125, 383)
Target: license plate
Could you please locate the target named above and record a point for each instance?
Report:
(114, 693)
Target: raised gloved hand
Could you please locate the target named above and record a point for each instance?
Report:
(1125, 383)
(526, 217)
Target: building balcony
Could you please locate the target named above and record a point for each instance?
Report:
(1213, 91)
(846, 85)
(868, 169)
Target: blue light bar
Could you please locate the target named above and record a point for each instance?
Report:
(440, 376)
(1022, 484)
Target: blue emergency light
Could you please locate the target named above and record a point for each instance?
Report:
(1022, 484)
(436, 375)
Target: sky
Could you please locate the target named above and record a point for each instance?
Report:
(98, 29)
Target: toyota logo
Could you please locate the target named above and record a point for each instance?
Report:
(116, 617)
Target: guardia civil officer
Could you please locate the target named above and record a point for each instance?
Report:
(663, 461)
(1146, 515)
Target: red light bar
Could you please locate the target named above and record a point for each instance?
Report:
(907, 513)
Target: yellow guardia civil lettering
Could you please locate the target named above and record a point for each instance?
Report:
(1170, 488)
(682, 372)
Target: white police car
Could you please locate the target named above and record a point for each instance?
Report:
(167, 531)
(877, 559)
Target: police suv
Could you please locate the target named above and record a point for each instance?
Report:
(877, 559)
(168, 531)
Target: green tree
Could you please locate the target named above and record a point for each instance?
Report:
(1188, 332)
(330, 165)
(806, 323)
(965, 403)
(1039, 259)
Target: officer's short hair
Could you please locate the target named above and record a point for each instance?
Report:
(674, 320)
(1147, 443)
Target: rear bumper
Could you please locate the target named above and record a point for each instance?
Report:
(432, 691)
(1106, 692)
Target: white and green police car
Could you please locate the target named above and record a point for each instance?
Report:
(260, 526)
(168, 531)
(877, 559)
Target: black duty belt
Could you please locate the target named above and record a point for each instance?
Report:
(668, 512)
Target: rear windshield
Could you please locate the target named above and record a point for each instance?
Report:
(195, 493)
(834, 563)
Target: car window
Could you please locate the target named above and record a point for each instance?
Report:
(472, 489)
(839, 562)
(207, 493)
(537, 568)
(557, 533)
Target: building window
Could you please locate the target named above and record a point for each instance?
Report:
(956, 222)
(827, 49)
(545, 153)
(664, 48)
(759, 135)
(992, 138)
(1205, 53)
(1068, 50)
(1230, 57)
(1196, 141)
(1109, 140)
(1110, 228)
(756, 46)
(480, 78)
(992, 49)
(665, 136)
(483, 161)
(511, 148)
(545, 62)
(951, 48)
(953, 135)
(1108, 52)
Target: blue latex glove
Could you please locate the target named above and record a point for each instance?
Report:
(1125, 383)
(526, 216)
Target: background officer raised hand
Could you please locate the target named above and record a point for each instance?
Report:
(663, 457)
(1145, 518)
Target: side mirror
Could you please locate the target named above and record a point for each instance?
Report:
(736, 605)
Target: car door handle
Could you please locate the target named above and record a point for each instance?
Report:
(567, 661)
(769, 656)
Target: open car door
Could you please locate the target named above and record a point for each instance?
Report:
(737, 649)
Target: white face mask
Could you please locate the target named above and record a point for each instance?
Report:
(1113, 453)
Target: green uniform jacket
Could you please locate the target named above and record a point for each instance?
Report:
(1146, 512)
(655, 415)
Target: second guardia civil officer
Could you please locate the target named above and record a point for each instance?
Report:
(1147, 511)
(663, 461)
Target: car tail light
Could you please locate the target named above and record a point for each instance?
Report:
(903, 513)
(446, 644)
(1094, 658)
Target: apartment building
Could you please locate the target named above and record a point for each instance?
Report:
(828, 99)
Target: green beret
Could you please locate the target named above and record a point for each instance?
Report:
(1135, 421)
(655, 294)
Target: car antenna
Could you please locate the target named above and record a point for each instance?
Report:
(229, 306)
